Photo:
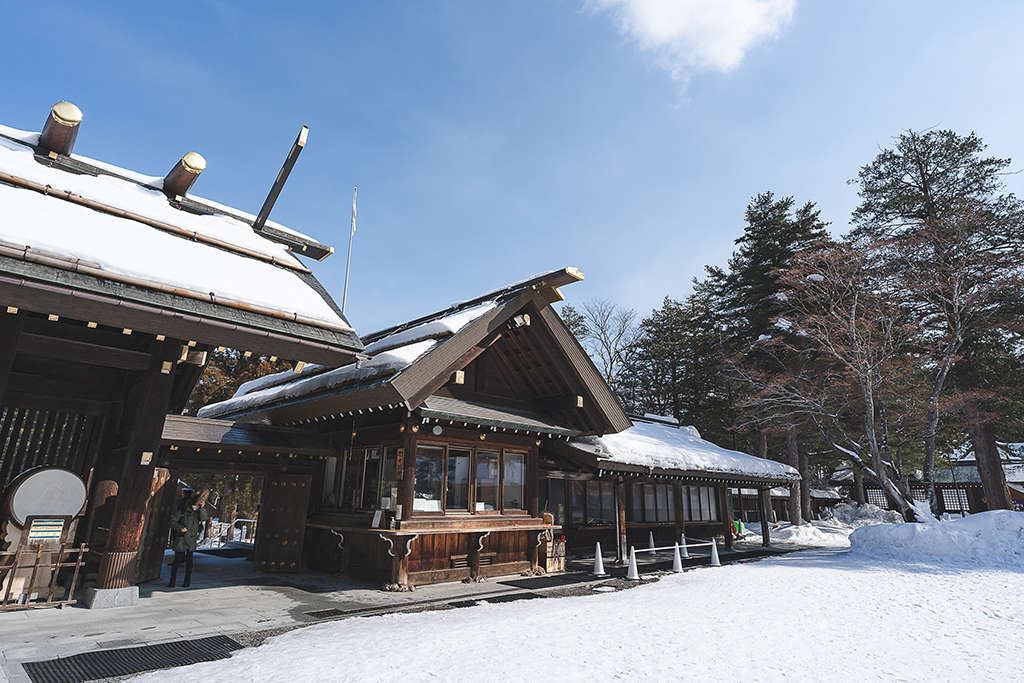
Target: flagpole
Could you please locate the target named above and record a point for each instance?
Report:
(348, 265)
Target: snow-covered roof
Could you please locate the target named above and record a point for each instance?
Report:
(214, 258)
(390, 355)
(660, 446)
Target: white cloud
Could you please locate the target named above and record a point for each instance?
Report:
(687, 36)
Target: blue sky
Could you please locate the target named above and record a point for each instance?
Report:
(494, 140)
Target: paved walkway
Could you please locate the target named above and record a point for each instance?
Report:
(226, 598)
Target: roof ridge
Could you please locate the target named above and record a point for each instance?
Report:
(552, 278)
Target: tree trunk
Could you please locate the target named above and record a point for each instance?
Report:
(762, 444)
(881, 476)
(990, 468)
(793, 455)
(805, 484)
(932, 424)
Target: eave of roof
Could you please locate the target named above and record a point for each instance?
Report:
(194, 432)
(38, 287)
(455, 411)
(601, 466)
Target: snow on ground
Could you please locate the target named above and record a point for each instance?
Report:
(808, 616)
(832, 530)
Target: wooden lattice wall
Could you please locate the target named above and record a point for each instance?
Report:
(31, 438)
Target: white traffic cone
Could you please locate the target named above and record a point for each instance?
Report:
(714, 554)
(677, 562)
(598, 562)
(683, 552)
(632, 574)
(650, 545)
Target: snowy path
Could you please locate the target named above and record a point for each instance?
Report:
(810, 616)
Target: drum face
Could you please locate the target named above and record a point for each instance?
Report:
(45, 491)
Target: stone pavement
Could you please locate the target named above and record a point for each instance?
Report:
(226, 598)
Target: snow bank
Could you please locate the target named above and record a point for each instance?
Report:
(988, 538)
(810, 534)
(856, 516)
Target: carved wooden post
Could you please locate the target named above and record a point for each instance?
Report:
(476, 542)
(764, 504)
(120, 562)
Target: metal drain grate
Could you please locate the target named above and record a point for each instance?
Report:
(89, 666)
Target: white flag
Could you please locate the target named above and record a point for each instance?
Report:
(354, 209)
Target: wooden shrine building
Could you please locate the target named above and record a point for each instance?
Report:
(465, 428)
(114, 286)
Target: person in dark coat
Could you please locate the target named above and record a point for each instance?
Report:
(185, 523)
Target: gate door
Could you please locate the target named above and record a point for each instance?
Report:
(282, 522)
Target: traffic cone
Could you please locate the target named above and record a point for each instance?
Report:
(632, 574)
(714, 554)
(683, 552)
(677, 562)
(598, 562)
(650, 545)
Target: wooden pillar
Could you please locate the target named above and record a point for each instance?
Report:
(532, 481)
(407, 487)
(763, 504)
(10, 331)
(723, 507)
(620, 521)
(680, 521)
(120, 561)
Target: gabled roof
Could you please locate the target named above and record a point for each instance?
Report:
(412, 361)
(85, 240)
(655, 447)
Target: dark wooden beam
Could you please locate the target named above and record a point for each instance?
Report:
(10, 332)
(723, 511)
(282, 177)
(62, 403)
(560, 403)
(115, 312)
(82, 352)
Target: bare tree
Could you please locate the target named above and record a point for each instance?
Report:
(846, 351)
(607, 332)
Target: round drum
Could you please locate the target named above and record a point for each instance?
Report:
(45, 491)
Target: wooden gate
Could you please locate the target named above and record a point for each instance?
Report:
(282, 522)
